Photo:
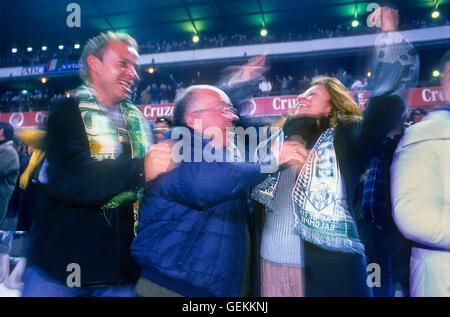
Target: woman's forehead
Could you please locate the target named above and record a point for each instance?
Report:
(315, 89)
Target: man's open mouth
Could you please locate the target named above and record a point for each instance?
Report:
(126, 85)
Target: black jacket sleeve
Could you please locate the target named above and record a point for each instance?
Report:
(74, 177)
(357, 143)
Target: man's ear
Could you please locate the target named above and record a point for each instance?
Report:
(189, 119)
(93, 63)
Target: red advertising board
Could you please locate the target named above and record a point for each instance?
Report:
(418, 97)
(25, 119)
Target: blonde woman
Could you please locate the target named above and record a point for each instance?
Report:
(310, 244)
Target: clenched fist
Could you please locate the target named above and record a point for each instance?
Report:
(293, 153)
(158, 161)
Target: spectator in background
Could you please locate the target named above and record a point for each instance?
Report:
(172, 87)
(15, 201)
(165, 93)
(357, 85)
(162, 125)
(366, 83)
(284, 85)
(155, 93)
(291, 84)
(265, 87)
(417, 115)
(419, 188)
(180, 87)
(387, 247)
(145, 96)
(9, 167)
(345, 79)
(304, 83)
(170, 93)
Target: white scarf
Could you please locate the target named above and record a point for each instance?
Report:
(320, 203)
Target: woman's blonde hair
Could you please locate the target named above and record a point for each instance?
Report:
(343, 108)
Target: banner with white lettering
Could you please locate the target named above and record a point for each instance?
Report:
(264, 106)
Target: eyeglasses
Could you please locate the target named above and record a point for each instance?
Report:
(160, 130)
(222, 109)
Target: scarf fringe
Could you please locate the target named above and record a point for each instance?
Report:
(314, 187)
(328, 242)
(264, 193)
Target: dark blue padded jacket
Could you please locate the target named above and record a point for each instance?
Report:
(191, 235)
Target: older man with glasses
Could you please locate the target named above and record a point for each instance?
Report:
(193, 235)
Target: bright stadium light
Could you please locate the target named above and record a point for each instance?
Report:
(43, 80)
(44, 48)
(29, 49)
(263, 32)
(195, 38)
(61, 47)
(355, 23)
(436, 73)
(435, 14)
(151, 70)
(14, 50)
(76, 46)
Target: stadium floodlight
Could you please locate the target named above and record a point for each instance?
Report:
(61, 47)
(43, 80)
(355, 23)
(436, 73)
(195, 38)
(29, 49)
(435, 14)
(151, 70)
(44, 48)
(76, 46)
(369, 74)
(263, 32)
(14, 50)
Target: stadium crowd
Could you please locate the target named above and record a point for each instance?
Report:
(326, 204)
(165, 91)
(22, 57)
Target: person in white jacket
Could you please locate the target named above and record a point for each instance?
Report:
(420, 189)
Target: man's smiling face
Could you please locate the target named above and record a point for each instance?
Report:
(113, 75)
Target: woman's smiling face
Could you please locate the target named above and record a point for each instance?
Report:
(314, 102)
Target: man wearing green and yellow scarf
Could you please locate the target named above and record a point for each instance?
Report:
(97, 161)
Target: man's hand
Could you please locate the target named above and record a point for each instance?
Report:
(254, 66)
(293, 153)
(158, 161)
(388, 18)
(240, 74)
